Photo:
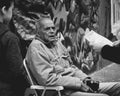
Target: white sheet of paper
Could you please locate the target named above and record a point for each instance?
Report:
(116, 28)
(96, 39)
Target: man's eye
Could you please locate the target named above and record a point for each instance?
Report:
(48, 28)
(53, 28)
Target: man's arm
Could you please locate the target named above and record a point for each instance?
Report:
(79, 73)
(111, 53)
(13, 56)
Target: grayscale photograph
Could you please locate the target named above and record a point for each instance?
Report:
(59, 47)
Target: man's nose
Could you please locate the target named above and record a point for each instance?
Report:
(51, 29)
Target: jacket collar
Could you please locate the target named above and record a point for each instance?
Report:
(48, 44)
(3, 28)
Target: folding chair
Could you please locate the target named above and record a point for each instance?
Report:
(34, 87)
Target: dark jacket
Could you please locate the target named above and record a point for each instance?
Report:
(111, 53)
(11, 69)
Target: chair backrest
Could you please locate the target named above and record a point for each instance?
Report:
(29, 91)
(27, 71)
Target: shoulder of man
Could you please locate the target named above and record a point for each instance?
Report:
(8, 35)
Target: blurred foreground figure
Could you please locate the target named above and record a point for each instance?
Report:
(11, 73)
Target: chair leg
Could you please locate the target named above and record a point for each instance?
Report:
(59, 94)
(43, 93)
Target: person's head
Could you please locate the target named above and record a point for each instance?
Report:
(46, 30)
(6, 8)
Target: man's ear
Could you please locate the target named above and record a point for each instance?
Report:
(3, 10)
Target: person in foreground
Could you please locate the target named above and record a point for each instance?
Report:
(107, 51)
(51, 65)
(11, 73)
(111, 53)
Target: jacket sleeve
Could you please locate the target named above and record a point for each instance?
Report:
(79, 73)
(44, 71)
(111, 53)
(13, 56)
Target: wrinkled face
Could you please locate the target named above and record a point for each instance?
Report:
(48, 32)
(7, 13)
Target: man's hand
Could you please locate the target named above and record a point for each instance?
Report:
(116, 43)
(86, 88)
(94, 85)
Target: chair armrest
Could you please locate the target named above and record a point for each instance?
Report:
(46, 87)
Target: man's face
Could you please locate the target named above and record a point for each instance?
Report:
(48, 32)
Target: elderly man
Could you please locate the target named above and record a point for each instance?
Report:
(51, 65)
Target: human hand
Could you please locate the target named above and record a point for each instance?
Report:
(94, 85)
(85, 88)
(116, 43)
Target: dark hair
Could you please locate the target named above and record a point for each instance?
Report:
(6, 3)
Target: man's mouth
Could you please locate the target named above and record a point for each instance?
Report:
(53, 37)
